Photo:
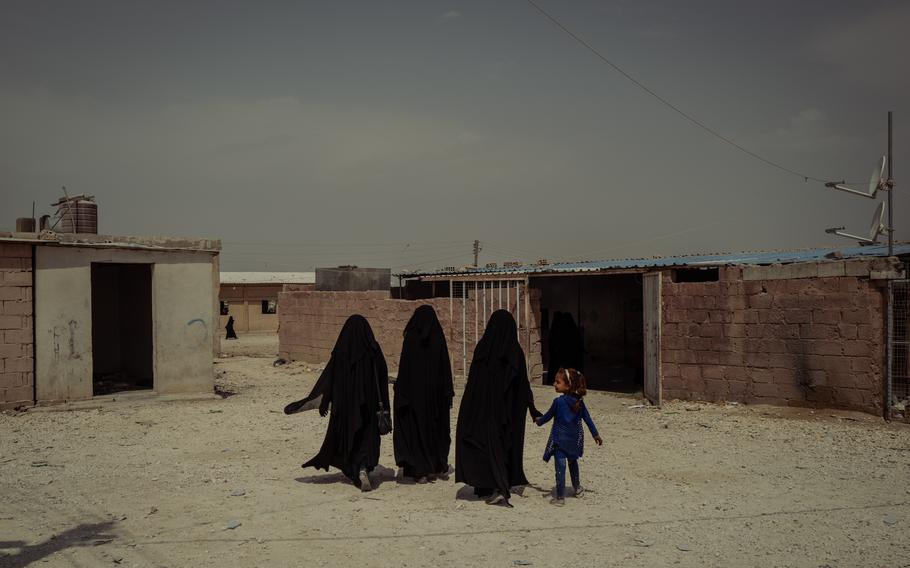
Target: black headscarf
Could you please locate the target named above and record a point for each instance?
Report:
(566, 350)
(349, 385)
(423, 397)
(489, 439)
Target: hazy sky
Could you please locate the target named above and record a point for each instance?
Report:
(394, 133)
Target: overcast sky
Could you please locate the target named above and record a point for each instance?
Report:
(394, 133)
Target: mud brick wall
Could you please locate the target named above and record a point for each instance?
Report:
(800, 337)
(309, 324)
(17, 377)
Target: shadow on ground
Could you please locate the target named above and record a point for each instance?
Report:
(90, 534)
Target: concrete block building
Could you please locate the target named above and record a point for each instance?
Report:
(85, 315)
(802, 328)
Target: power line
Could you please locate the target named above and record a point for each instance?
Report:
(667, 103)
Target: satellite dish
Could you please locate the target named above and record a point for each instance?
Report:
(878, 228)
(876, 182)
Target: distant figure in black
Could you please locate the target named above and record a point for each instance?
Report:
(231, 334)
(489, 439)
(423, 399)
(353, 383)
(566, 351)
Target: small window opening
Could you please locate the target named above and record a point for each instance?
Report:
(269, 306)
(225, 307)
(696, 275)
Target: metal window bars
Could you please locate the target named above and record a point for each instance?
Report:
(898, 374)
(472, 302)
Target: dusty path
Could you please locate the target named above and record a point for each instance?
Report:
(158, 484)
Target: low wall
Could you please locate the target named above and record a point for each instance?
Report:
(311, 321)
(17, 377)
(799, 340)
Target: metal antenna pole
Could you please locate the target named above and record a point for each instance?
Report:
(890, 194)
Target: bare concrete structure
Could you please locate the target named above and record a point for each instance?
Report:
(89, 315)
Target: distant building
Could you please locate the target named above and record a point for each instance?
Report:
(252, 297)
(86, 315)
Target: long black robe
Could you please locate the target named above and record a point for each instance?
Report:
(348, 386)
(566, 350)
(229, 329)
(489, 438)
(423, 398)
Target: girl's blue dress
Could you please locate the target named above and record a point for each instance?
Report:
(567, 435)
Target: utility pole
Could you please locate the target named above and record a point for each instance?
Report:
(890, 194)
(478, 248)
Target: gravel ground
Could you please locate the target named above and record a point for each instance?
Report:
(161, 484)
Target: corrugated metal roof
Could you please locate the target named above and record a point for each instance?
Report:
(268, 277)
(695, 260)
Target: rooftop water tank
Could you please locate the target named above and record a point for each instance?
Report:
(78, 214)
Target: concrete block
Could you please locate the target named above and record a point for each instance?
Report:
(857, 267)
(16, 308)
(10, 351)
(10, 322)
(831, 269)
(16, 250)
(781, 271)
(16, 277)
(19, 365)
(11, 293)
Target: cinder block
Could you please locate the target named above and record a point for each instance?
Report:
(857, 348)
(11, 322)
(857, 267)
(829, 317)
(781, 271)
(796, 316)
(11, 293)
(847, 330)
(831, 269)
(18, 394)
(824, 347)
(17, 277)
(856, 316)
(16, 250)
(16, 308)
(760, 301)
(817, 331)
(11, 350)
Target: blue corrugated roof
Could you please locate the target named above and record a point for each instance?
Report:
(716, 259)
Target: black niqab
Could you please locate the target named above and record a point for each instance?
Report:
(423, 398)
(349, 386)
(489, 439)
(566, 350)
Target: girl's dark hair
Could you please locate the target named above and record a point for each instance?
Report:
(578, 387)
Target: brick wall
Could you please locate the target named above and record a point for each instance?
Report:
(17, 377)
(309, 323)
(801, 341)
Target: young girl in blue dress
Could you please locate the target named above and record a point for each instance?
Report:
(567, 439)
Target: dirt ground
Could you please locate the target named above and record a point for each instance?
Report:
(162, 483)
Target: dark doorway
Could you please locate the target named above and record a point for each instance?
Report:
(604, 315)
(121, 328)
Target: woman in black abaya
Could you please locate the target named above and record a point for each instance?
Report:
(229, 329)
(423, 398)
(352, 385)
(489, 439)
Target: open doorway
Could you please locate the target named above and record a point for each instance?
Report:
(597, 322)
(121, 328)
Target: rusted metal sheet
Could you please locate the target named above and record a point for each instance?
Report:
(651, 314)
